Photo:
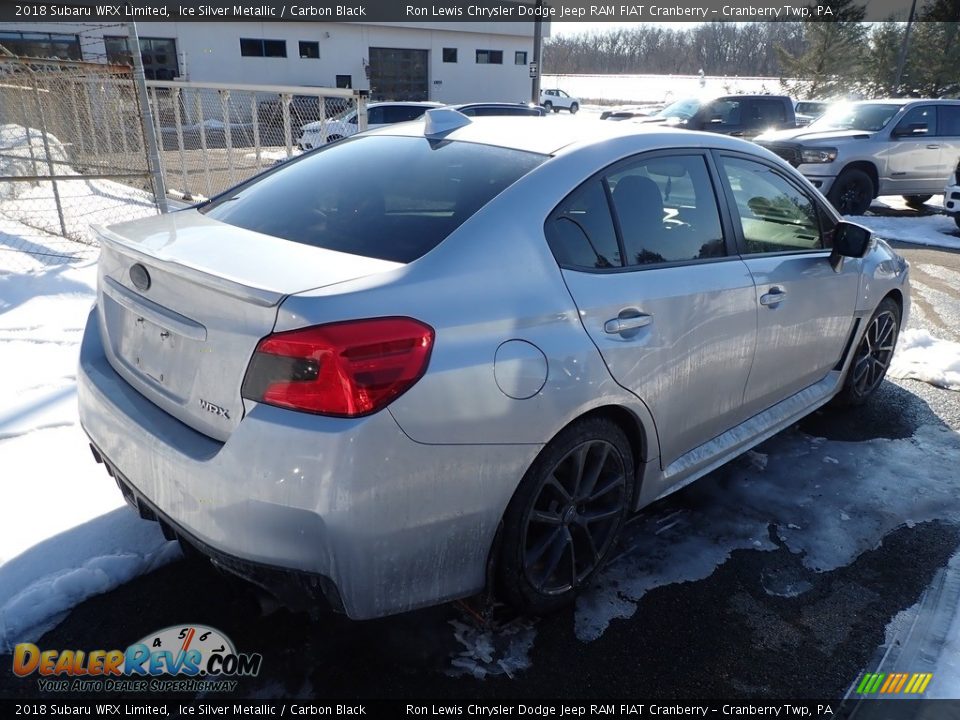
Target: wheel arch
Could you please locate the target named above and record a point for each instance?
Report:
(869, 168)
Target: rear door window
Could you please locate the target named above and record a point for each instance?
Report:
(393, 198)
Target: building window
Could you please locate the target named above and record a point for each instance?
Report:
(42, 45)
(310, 50)
(520, 57)
(256, 47)
(159, 55)
(345, 81)
(490, 57)
(449, 54)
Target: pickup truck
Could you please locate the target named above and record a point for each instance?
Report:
(738, 115)
(858, 151)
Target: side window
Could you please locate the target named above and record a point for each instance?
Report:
(919, 121)
(723, 113)
(949, 116)
(769, 112)
(402, 113)
(775, 215)
(374, 116)
(580, 231)
(667, 210)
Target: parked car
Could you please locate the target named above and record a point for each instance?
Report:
(303, 109)
(951, 196)
(558, 100)
(489, 109)
(346, 124)
(473, 355)
(738, 115)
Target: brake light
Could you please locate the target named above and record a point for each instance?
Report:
(346, 369)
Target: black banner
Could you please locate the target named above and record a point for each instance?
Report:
(892, 709)
(439, 11)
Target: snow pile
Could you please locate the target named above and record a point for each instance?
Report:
(935, 230)
(920, 356)
(656, 88)
(22, 153)
(65, 533)
(84, 202)
(826, 511)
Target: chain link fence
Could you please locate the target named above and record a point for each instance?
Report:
(72, 154)
(212, 136)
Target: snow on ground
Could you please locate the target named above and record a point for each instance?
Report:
(827, 501)
(656, 88)
(936, 230)
(83, 202)
(65, 533)
(920, 356)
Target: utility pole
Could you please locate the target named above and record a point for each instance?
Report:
(903, 48)
(537, 44)
(146, 119)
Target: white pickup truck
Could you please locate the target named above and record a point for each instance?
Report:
(557, 100)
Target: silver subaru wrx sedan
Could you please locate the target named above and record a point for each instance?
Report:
(454, 353)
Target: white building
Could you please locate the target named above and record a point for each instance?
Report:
(446, 61)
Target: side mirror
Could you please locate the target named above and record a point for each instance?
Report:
(850, 240)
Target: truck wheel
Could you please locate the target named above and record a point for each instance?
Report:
(916, 201)
(548, 106)
(574, 108)
(852, 192)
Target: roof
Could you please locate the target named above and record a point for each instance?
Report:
(534, 134)
(416, 103)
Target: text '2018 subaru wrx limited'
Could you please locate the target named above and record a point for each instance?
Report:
(454, 354)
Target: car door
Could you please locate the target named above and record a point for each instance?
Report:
(948, 137)
(662, 294)
(805, 306)
(725, 115)
(913, 154)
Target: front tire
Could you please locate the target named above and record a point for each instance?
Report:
(916, 201)
(565, 516)
(574, 108)
(873, 355)
(852, 192)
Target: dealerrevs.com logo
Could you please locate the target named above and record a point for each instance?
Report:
(185, 658)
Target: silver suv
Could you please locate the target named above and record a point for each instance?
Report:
(858, 151)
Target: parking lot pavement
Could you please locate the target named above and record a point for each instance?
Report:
(775, 576)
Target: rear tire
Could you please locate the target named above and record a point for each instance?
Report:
(852, 192)
(565, 517)
(916, 201)
(574, 108)
(548, 106)
(872, 357)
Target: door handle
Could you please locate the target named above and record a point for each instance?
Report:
(933, 147)
(622, 324)
(774, 297)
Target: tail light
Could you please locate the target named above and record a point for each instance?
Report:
(346, 369)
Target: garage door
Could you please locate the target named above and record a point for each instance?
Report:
(398, 74)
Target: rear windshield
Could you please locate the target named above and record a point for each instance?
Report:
(387, 197)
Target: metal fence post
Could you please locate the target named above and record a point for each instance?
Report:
(149, 131)
(46, 151)
(285, 99)
(227, 132)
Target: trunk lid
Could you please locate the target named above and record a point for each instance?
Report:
(183, 332)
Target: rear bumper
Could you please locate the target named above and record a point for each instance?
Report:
(353, 505)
